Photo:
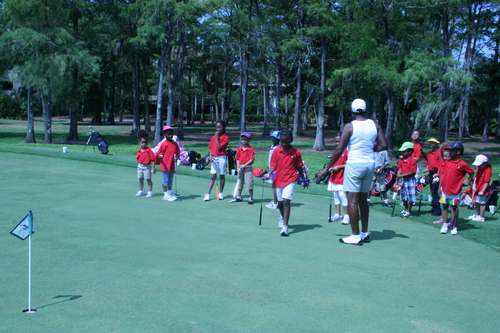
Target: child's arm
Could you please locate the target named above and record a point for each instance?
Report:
(485, 187)
(269, 173)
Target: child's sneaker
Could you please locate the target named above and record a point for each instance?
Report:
(237, 198)
(272, 205)
(172, 197)
(402, 213)
(387, 204)
(478, 218)
(166, 197)
(438, 221)
(250, 201)
(149, 195)
(405, 214)
(352, 240)
(346, 220)
(280, 222)
(207, 197)
(454, 231)
(221, 196)
(335, 218)
(284, 230)
(140, 193)
(444, 229)
(472, 217)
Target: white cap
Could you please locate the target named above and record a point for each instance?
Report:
(480, 159)
(358, 106)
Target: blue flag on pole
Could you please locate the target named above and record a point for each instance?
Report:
(25, 227)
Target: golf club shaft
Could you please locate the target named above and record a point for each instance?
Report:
(261, 202)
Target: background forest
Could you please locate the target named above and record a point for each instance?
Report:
(425, 64)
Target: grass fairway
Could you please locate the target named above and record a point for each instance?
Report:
(106, 261)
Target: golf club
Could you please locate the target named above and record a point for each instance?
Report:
(261, 202)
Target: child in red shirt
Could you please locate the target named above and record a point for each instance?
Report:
(481, 186)
(287, 162)
(336, 185)
(434, 162)
(451, 182)
(417, 150)
(407, 168)
(146, 159)
(218, 145)
(168, 153)
(245, 156)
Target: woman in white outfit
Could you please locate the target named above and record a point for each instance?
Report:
(359, 137)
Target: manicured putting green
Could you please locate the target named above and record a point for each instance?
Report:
(107, 261)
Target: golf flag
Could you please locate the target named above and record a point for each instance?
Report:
(25, 227)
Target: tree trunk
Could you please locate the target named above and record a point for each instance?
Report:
(319, 142)
(47, 117)
(296, 119)
(391, 117)
(277, 93)
(30, 132)
(111, 109)
(145, 88)
(265, 91)
(159, 97)
(243, 86)
(136, 124)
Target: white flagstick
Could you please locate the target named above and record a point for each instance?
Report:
(29, 309)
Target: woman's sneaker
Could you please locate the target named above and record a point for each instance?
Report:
(352, 240)
(284, 230)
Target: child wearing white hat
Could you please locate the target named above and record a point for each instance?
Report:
(481, 187)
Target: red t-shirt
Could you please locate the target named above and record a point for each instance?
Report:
(453, 176)
(145, 156)
(417, 151)
(483, 176)
(168, 149)
(286, 165)
(408, 165)
(434, 160)
(244, 155)
(223, 142)
(338, 177)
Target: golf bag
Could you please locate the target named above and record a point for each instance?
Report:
(193, 157)
(202, 162)
(231, 161)
(493, 197)
(390, 181)
(98, 140)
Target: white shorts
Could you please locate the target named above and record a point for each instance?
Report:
(285, 192)
(219, 165)
(358, 177)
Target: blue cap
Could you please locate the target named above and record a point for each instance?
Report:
(275, 134)
(455, 145)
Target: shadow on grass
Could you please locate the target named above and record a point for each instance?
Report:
(294, 228)
(383, 235)
(67, 299)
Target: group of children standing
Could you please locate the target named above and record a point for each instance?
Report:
(285, 166)
(445, 167)
(446, 172)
